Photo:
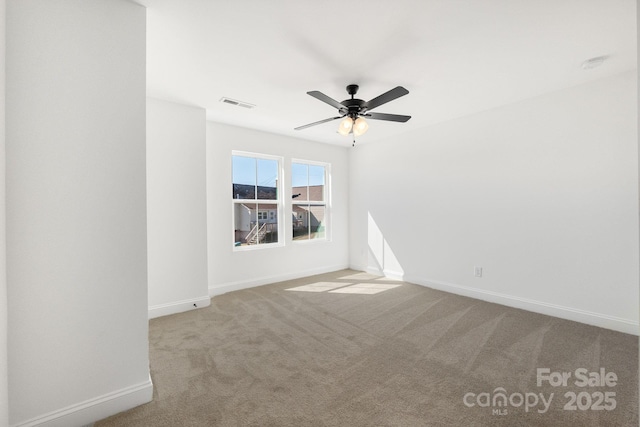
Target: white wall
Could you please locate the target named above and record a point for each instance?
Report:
(230, 270)
(542, 194)
(4, 394)
(176, 207)
(76, 210)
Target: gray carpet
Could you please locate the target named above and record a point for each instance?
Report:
(336, 353)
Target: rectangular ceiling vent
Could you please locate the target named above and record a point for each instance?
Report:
(236, 102)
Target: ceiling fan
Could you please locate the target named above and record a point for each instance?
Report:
(353, 111)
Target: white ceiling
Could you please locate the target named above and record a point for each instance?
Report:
(456, 57)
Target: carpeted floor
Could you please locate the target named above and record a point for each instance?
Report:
(350, 349)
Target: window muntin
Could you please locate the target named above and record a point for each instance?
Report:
(308, 200)
(256, 201)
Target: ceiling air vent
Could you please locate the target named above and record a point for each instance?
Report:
(236, 102)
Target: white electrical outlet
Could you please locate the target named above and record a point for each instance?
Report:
(477, 271)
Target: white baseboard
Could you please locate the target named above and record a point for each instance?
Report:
(95, 409)
(178, 306)
(252, 283)
(389, 274)
(394, 275)
(577, 315)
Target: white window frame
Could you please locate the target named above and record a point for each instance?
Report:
(327, 201)
(278, 203)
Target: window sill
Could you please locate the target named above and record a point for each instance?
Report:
(249, 248)
(310, 241)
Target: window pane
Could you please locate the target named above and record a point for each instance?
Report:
(267, 227)
(309, 222)
(244, 177)
(316, 175)
(299, 181)
(308, 184)
(316, 183)
(255, 224)
(245, 217)
(267, 179)
(299, 174)
(300, 222)
(255, 180)
(317, 223)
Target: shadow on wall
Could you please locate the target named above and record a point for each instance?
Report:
(381, 257)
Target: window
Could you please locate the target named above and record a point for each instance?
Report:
(256, 199)
(309, 195)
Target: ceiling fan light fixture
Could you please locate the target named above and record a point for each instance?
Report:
(360, 126)
(345, 126)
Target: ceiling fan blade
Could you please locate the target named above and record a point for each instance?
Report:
(324, 98)
(388, 117)
(394, 93)
(318, 123)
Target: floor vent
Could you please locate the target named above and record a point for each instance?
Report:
(236, 102)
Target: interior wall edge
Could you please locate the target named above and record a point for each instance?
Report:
(95, 409)
(176, 307)
(4, 357)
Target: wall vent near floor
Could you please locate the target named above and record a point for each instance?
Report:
(236, 102)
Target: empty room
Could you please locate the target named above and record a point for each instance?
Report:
(293, 213)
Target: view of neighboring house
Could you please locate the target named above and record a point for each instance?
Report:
(308, 214)
(258, 222)
(255, 222)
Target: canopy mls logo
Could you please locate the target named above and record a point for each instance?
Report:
(500, 401)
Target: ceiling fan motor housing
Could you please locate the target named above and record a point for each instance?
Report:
(353, 107)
